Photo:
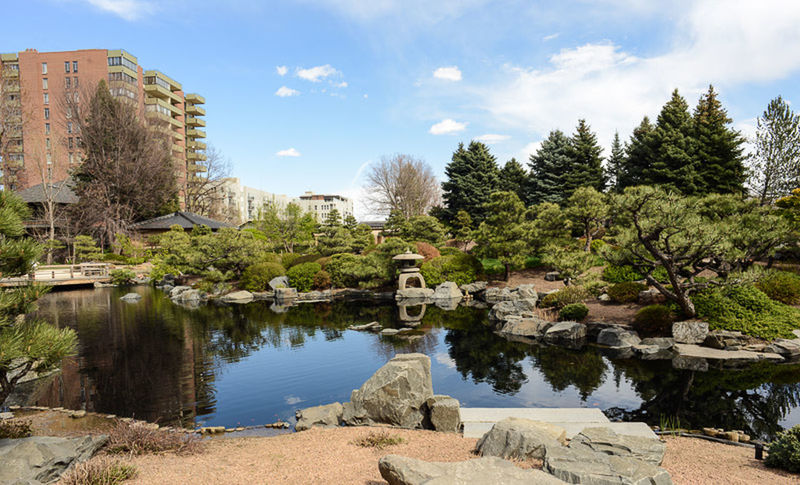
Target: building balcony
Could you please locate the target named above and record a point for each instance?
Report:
(195, 110)
(11, 73)
(194, 98)
(192, 121)
(196, 145)
(195, 133)
(160, 102)
(14, 149)
(196, 168)
(195, 156)
(158, 116)
(178, 148)
(11, 87)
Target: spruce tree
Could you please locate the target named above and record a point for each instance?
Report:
(673, 165)
(638, 156)
(718, 147)
(586, 167)
(616, 164)
(775, 170)
(514, 178)
(549, 166)
(472, 176)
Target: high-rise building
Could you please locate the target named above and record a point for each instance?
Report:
(320, 205)
(40, 139)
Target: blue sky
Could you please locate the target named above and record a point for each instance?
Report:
(304, 94)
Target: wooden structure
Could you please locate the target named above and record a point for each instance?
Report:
(63, 275)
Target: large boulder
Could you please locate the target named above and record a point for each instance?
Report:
(190, 296)
(581, 465)
(657, 348)
(722, 339)
(447, 291)
(604, 440)
(565, 333)
(278, 282)
(496, 295)
(473, 288)
(533, 327)
(618, 337)
(326, 416)
(444, 414)
(690, 331)
(176, 291)
(42, 459)
(399, 470)
(522, 439)
(283, 294)
(394, 395)
(131, 297)
(504, 309)
(238, 297)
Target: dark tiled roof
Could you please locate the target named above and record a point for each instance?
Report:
(187, 220)
(61, 191)
(375, 224)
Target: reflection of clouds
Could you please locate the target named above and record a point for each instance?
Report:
(445, 360)
(292, 400)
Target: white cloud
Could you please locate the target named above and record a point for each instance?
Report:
(491, 138)
(550, 37)
(127, 9)
(446, 127)
(451, 73)
(285, 92)
(366, 96)
(342, 84)
(529, 150)
(316, 74)
(289, 152)
(281, 70)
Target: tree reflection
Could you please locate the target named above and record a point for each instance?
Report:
(584, 369)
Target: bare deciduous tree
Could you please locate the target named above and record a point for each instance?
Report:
(403, 184)
(11, 123)
(205, 194)
(52, 212)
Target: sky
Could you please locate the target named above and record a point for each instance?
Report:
(305, 94)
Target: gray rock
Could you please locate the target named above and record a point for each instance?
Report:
(444, 414)
(604, 440)
(728, 358)
(42, 459)
(604, 298)
(394, 395)
(473, 288)
(502, 310)
(651, 297)
(447, 291)
(684, 362)
(326, 416)
(527, 292)
(618, 337)
(552, 276)
(174, 292)
(190, 295)
(789, 349)
(399, 470)
(665, 343)
(390, 331)
(238, 297)
(526, 327)
(414, 294)
(263, 295)
(372, 326)
(690, 331)
(283, 294)
(579, 465)
(278, 282)
(131, 297)
(652, 352)
(721, 339)
(561, 332)
(523, 439)
(496, 295)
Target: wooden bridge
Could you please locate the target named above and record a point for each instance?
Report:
(63, 275)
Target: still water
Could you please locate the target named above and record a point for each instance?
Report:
(248, 364)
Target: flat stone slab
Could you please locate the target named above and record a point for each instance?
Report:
(400, 470)
(550, 415)
(477, 430)
(698, 352)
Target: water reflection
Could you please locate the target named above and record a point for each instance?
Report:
(248, 364)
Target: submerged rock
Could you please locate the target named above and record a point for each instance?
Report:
(238, 297)
(131, 297)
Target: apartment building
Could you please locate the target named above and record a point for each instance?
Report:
(320, 205)
(245, 201)
(41, 142)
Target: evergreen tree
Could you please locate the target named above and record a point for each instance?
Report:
(719, 147)
(776, 161)
(472, 176)
(548, 167)
(616, 164)
(333, 219)
(586, 167)
(638, 156)
(350, 222)
(505, 234)
(463, 229)
(673, 165)
(514, 178)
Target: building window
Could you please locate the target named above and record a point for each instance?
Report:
(67, 82)
(70, 145)
(47, 113)
(49, 173)
(69, 127)
(121, 61)
(78, 141)
(74, 66)
(71, 158)
(44, 83)
(121, 76)
(47, 143)
(44, 68)
(46, 98)
(66, 66)
(75, 82)
(157, 81)
(47, 128)
(49, 158)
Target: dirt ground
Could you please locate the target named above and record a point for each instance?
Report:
(328, 456)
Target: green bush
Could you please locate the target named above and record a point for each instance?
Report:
(493, 266)
(286, 259)
(301, 276)
(354, 271)
(533, 262)
(597, 246)
(574, 311)
(322, 280)
(565, 296)
(621, 274)
(459, 268)
(122, 276)
(781, 286)
(306, 258)
(784, 452)
(746, 309)
(449, 251)
(653, 321)
(627, 292)
(257, 276)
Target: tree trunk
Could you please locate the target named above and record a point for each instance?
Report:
(507, 272)
(588, 232)
(681, 298)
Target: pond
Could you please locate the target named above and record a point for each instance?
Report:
(250, 365)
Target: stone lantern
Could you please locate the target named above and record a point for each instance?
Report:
(408, 269)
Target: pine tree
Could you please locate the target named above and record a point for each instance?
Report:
(616, 164)
(638, 156)
(719, 147)
(333, 219)
(586, 168)
(548, 168)
(514, 178)
(472, 176)
(776, 161)
(673, 165)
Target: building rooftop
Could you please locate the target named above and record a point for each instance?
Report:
(61, 192)
(187, 220)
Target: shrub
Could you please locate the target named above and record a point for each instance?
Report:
(573, 311)
(533, 262)
(286, 259)
(99, 471)
(257, 276)
(301, 276)
(378, 439)
(306, 258)
(565, 296)
(492, 266)
(459, 268)
(781, 286)
(449, 251)
(746, 309)
(427, 250)
(122, 276)
(140, 439)
(322, 280)
(626, 292)
(784, 452)
(597, 246)
(621, 274)
(13, 429)
(653, 321)
(353, 271)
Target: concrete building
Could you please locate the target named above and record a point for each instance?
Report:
(247, 201)
(320, 205)
(42, 144)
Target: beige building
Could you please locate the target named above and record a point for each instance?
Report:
(247, 201)
(320, 205)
